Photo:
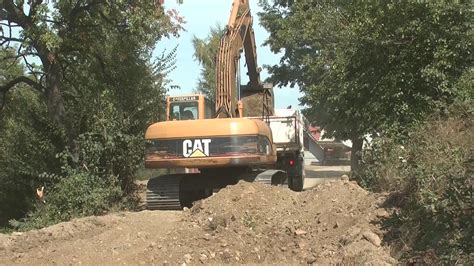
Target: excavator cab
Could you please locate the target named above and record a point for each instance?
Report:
(190, 107)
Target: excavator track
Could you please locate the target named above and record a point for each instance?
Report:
(175, 191)
(271, 177)
(264, 179)
(162, 193)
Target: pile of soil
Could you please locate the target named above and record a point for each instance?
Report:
(335, 222)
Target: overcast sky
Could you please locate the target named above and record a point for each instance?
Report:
(199, 17)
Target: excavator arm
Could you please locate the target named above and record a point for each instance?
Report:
(239, 35)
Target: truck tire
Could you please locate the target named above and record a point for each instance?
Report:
(296, 183)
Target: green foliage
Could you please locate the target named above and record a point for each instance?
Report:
(111, 91)
(205, 51)
(464, 87)
(96, 176)
(108, 148)
(440, 172)
(368, 68)
(63, 34)
(9, 69)
(164, 64)
(434, 173)
(81, 194)
(382, 163)
(382, 68)
(77, 195)
(29, 142)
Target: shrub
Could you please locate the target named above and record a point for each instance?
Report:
(92, 176)
(439, 184)
(29, 142)
(382, 163)
(434, 173)
(77, 195)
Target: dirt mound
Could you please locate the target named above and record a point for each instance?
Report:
(59, 232)
(121, 238)
(254, 223)
(247, 223)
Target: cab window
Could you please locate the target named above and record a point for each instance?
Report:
(184, 111)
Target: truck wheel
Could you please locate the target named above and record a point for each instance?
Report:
(296, 183)
(289, 181)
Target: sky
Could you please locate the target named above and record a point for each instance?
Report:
(199, 17)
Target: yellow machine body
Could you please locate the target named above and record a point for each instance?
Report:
(192, 138)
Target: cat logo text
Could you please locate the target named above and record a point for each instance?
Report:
(196, 148)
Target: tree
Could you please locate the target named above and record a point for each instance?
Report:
(56, 35)
(370, 68)
(205, 51)
(28, 142)
(109, 89)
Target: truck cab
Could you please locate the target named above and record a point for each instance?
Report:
(189, 107)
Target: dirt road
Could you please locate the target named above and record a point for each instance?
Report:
(335, 222)
(316, 174)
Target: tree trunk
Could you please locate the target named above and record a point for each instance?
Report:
(356, 154)
(53, 94)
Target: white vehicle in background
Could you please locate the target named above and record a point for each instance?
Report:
(297, 147)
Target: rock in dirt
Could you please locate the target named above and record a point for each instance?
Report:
(350, 236)
(311, 259)
(215, 222)
(187, 258)
(372, 238)
(382, 214)
(203, 258)
(300, 232)
(344, 178)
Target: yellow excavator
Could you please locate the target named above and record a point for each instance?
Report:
(226, 141)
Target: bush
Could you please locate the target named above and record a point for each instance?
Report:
(434, 173)
(382, 164)
(93, 175)
(77, 195)
(29, 142)
(439, 184)
(95, 180)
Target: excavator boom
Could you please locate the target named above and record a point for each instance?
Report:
(239, 36)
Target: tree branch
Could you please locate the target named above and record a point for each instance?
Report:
(9, 25)
(34, 7)
(15, 57)
(15, 14)
(18, 56)
(101, 63)
(28, 65)
(10, 39)
(22, 79)
(77, 9)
